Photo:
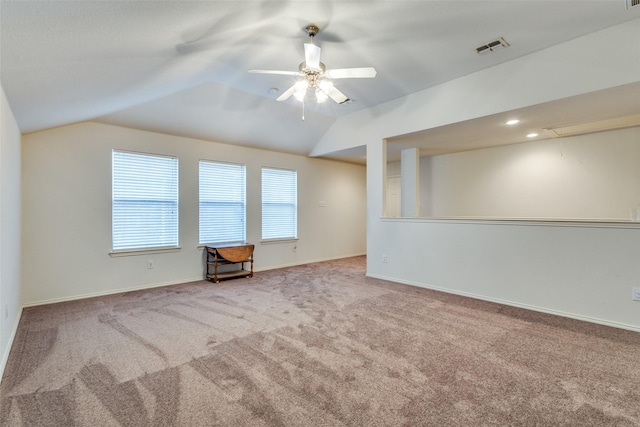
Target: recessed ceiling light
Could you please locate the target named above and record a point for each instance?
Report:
(273, 90)
(512, 122)
(532, 135)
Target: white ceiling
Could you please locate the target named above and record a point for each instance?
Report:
(179, 67)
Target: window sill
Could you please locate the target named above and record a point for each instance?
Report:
(275, 241)
(147, 251)
(222, 244)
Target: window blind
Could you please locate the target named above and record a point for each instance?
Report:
(279, 204)
(222, 202)
(144, 201)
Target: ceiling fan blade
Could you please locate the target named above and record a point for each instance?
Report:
(337, 96)
(352, 73)
(287, 94)
(312, 56)
(284, 73)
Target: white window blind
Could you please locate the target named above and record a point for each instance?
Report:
(222, 202)
(279, 204)
(144, 201)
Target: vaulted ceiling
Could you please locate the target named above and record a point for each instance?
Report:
(180, 67)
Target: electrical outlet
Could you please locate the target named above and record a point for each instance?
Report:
(295, 248)
(384, 258)
(635, 294)
(150, 263)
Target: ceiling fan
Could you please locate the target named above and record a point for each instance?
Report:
(316, 76)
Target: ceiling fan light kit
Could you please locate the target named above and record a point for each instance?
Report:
(300, 90)
(315, 75)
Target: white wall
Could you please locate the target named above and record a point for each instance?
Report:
(67, 211)
(10, 308)
(580, 270)
(584, 271)
(595, 176)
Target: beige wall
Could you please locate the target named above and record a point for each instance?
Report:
(10, 308)
(67, 211)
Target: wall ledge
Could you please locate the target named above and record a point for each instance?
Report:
(527, 222)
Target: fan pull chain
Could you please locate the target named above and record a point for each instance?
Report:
(303, 109)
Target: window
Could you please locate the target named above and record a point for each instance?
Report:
(222, 202)
(279, 204)
(144, 201)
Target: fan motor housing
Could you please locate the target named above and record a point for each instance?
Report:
(303, 68)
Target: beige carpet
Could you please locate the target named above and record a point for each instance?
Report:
(314, 345)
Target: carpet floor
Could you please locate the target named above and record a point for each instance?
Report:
(314, 345)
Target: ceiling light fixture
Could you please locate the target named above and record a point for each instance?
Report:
(512, 122)
(532, 135)
(300, 90)
(323, 90)
(321, 96)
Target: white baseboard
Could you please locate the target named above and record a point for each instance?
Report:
(7, 350)
(110, 292)
(275, 267)
(514, 304)
(176, 282)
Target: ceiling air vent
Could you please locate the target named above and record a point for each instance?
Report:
(631, 3)
(500, 43)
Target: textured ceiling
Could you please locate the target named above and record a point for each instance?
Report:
(179, 67)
